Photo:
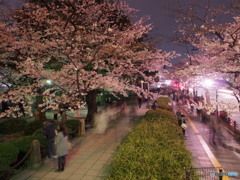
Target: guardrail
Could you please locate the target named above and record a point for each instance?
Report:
(210, 173)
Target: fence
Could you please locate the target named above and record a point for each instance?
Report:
(210, 173)
(35, 154)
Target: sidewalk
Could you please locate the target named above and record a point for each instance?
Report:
(91, 155)
(209, 148)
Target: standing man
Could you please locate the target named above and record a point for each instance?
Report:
(50, 133)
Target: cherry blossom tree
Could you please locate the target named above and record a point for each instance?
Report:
(82, 47)
(217, 44)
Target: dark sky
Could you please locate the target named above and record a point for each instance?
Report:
(163, 19)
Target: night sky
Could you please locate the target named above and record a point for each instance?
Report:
(163, 19)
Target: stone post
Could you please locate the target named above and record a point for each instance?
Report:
(64, 116)
(35, 156)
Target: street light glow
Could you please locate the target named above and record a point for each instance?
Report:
(208, 83)
(49, 81)
(168, 82)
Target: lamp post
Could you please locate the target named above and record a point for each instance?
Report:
(142, 84)
(210, 83)
(49, 82)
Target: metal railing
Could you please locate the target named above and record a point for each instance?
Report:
(210, 173)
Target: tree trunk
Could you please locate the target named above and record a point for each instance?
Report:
(40, 114)
(91, 99)
(238, 100)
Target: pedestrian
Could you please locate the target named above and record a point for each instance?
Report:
(49, 132)
(192, 106)
(62, 146)
(139, 102)
(55, 114)
(184, 125)
(154, 106)
(178, 113)
(179, 116)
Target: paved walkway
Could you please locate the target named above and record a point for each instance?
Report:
(92, 154)
(208, 148)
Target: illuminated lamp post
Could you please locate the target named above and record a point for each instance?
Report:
(210, 83)
(142, 84)
(49, 81)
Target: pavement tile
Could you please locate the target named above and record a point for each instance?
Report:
(47, 178)
(69, 170)
(24, 175)
(64, 175)
(40, 174)
(51, 174)
(97, 167)
(93, 172)
(81, 171)
(76, 177)
(87, 177)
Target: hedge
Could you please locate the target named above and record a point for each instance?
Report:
(31, 127)
(163, 103)
(24, 143)
(153, 150)
(72, 124)
(12, 126)
(8, 155)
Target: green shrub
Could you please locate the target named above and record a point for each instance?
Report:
(12, 126)
(153, 150)
(24, 143)
(8, 155)
(163, 103)
(38, 132)
(72, 124)
(160, 115)
(31, 127)
(164, 99)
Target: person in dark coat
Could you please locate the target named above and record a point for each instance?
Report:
(179, 117)
(49, 132)
(139, 102)
(154, 106)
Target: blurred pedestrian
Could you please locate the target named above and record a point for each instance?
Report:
(49, 132)
(139, 102)
(62, 146)
(179, 116)
(178, 113)
(55, 114)
(154, 106)
(183, 125)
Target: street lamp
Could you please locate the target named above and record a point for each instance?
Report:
(49, 81)
(142, 84)
(210, 83)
